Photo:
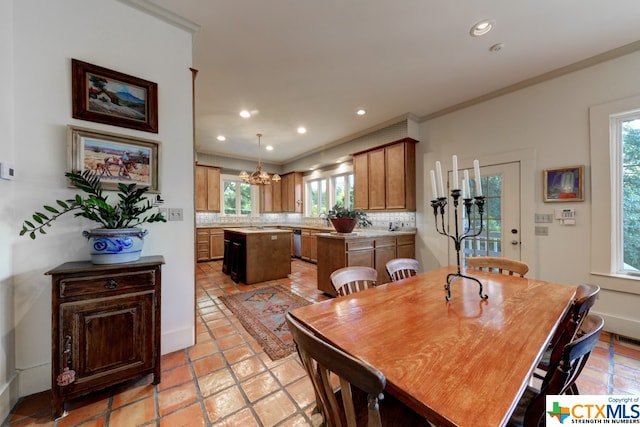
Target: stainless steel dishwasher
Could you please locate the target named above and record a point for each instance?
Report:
(297, 243)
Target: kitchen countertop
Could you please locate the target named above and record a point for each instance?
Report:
(257, 230)
(327, 231)
(369, 233)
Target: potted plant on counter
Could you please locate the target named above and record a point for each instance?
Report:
(344, 219)
(118, 239)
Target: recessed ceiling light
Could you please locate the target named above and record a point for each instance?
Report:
(361, 112)
(245, 114)
(481, 28)
(338, 161)
(302, 130)
(269, 148)
(221, 138)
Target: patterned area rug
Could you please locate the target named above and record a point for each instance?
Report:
(261, 312)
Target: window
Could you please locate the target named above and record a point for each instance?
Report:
(237, 197)
(625, 131)
(316, 197)
(343, 190)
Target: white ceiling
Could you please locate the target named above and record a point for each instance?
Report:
(313, 63)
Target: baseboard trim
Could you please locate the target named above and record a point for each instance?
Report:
(8, 397)
(619, 325)
(177, 340)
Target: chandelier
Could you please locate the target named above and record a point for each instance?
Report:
(259, 177)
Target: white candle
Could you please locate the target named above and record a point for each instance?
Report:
(455, 173)
(440, 185)
(465, 185)
(434, 190)
(476, 169)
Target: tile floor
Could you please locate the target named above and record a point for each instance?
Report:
(227, 380)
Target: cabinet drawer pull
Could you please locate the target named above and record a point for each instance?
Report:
(111, 284)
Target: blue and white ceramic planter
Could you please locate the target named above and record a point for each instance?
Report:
(113, 246)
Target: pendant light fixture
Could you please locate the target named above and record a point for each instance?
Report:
(259, 177)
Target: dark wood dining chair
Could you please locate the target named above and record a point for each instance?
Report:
(568, 328)
(357, 400)
(349, 280)
(494, 264)
(561, 376)
(401, 268)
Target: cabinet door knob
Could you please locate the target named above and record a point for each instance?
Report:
(111, 284)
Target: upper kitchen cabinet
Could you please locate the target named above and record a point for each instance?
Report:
(271, 197)
(207, 189)
(385, 177)
(292, 192)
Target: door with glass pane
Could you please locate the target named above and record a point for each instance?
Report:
(500, 234)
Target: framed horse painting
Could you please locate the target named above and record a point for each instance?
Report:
(106, 96)
(114, 158)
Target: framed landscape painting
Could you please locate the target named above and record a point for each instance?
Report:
(106, 96)
(564, 184)
(114, 158)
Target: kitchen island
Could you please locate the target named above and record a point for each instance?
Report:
(368, 248)
(257, 254)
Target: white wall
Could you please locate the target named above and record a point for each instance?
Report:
(8, 385)
(546, 126)
(46, 35)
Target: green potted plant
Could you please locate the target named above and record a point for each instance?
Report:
(118, 239)
(345, 219)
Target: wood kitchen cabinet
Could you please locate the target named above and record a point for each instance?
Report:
(309, 243)
(105, 326)
(406, 246)
(335, 252)
(385, 177)
(207, 188)
(385, 251)
(291, 186)
(271, 197)
(209, 244)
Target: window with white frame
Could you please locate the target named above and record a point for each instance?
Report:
(323, 189)
(625, 171)
(237, 197)
(342, 190)
(316, 196)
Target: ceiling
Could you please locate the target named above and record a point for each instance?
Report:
(314, 63)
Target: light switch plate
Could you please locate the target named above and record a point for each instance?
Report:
(7, 171)
(543, 218)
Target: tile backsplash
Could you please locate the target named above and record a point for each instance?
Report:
(378, 219)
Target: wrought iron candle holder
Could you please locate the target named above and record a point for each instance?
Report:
(438, 206)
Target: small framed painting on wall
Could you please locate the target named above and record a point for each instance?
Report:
(106, 96)
(564, 184)
(114, 158)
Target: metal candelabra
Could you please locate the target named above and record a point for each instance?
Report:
(439, 205)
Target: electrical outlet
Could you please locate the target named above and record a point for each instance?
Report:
(175, 214)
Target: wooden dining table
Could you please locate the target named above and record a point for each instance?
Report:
(465, 362)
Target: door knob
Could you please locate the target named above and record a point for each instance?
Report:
(514, 242)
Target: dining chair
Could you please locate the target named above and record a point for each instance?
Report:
(401, 268)
(562, 374)
(497, 265)
(356, 399)
(569, 328)
(349, 280)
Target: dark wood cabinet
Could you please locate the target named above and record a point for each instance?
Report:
(105, 326)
